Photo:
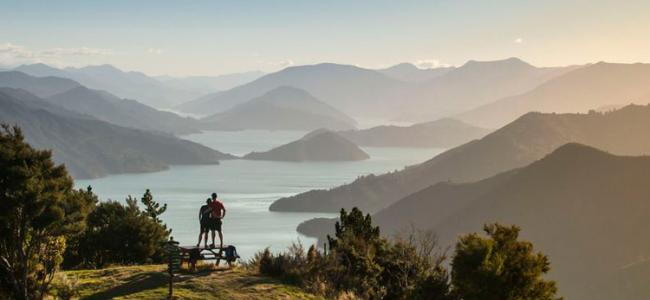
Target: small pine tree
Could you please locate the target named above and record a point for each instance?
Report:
(153, 209)
(500, 267)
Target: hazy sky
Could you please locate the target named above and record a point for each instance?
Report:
(195, 37)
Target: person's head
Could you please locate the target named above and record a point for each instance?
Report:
(207, 201)
(214, 196)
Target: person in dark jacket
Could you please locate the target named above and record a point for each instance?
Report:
(205, 214)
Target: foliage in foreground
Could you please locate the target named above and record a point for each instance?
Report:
(119, 234)
(44, 221)
(362, 263)
(500, 267)
(38, 209)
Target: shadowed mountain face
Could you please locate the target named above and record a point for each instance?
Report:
(443, 133)
(320, 145)
(284, 108)
(590, 87)
(127, 113)
(588, 210)
(364, 93)
(39, 86)
(529, 138)
(131, 85)
(92, 148)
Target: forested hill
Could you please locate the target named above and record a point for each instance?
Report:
(585, 208)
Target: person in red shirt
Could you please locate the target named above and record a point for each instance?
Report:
(218, 213)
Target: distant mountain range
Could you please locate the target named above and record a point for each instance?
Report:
(410, 73)
(319, 145)
(92, 148)
(590, 87)
(159, 92)
(209, 84)
(587, 209)
(123, 112)
(364, 93)
(284, 108)
(348, 88)
(100, 104)
(443, 133)
(132, 85)
(39, 86)
(525, 140)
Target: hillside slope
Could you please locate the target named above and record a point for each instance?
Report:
(92, 148)
(583, 207)
(521, 142)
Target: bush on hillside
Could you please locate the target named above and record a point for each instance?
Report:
(365, 265)
(119, 234)
(362, 263)
(500, 267)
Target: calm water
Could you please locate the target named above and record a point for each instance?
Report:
(247, 188)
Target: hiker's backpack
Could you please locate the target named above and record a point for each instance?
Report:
(231, 253)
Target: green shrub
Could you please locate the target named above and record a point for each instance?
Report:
(119, 234)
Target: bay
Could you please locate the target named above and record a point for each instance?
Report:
(247, 188)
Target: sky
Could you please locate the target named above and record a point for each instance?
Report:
(196, 37)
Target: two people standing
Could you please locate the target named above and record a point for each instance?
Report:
(210, 219)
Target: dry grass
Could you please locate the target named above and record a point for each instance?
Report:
(208, 282)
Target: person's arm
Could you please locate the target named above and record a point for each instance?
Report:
(223, 207)
(200, 214)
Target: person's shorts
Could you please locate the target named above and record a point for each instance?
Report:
(205, 225)
(215, 224)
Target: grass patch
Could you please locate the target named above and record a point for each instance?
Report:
(151, 282)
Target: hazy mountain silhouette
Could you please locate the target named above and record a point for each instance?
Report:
(587, 209)
(131, 85)
(92, 148)
(410, 73)
(442, 133)
(128, 113)
(319, 145)
(474, 84)
(364, 93)
(284, 108)
(582, 89)
(348, 88)
(521, 142)
(39, 86)
(209, 84)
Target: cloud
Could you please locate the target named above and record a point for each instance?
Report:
(156, 51)
(278, 64)
(18, 54)
(519, 41)
(430, 63)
